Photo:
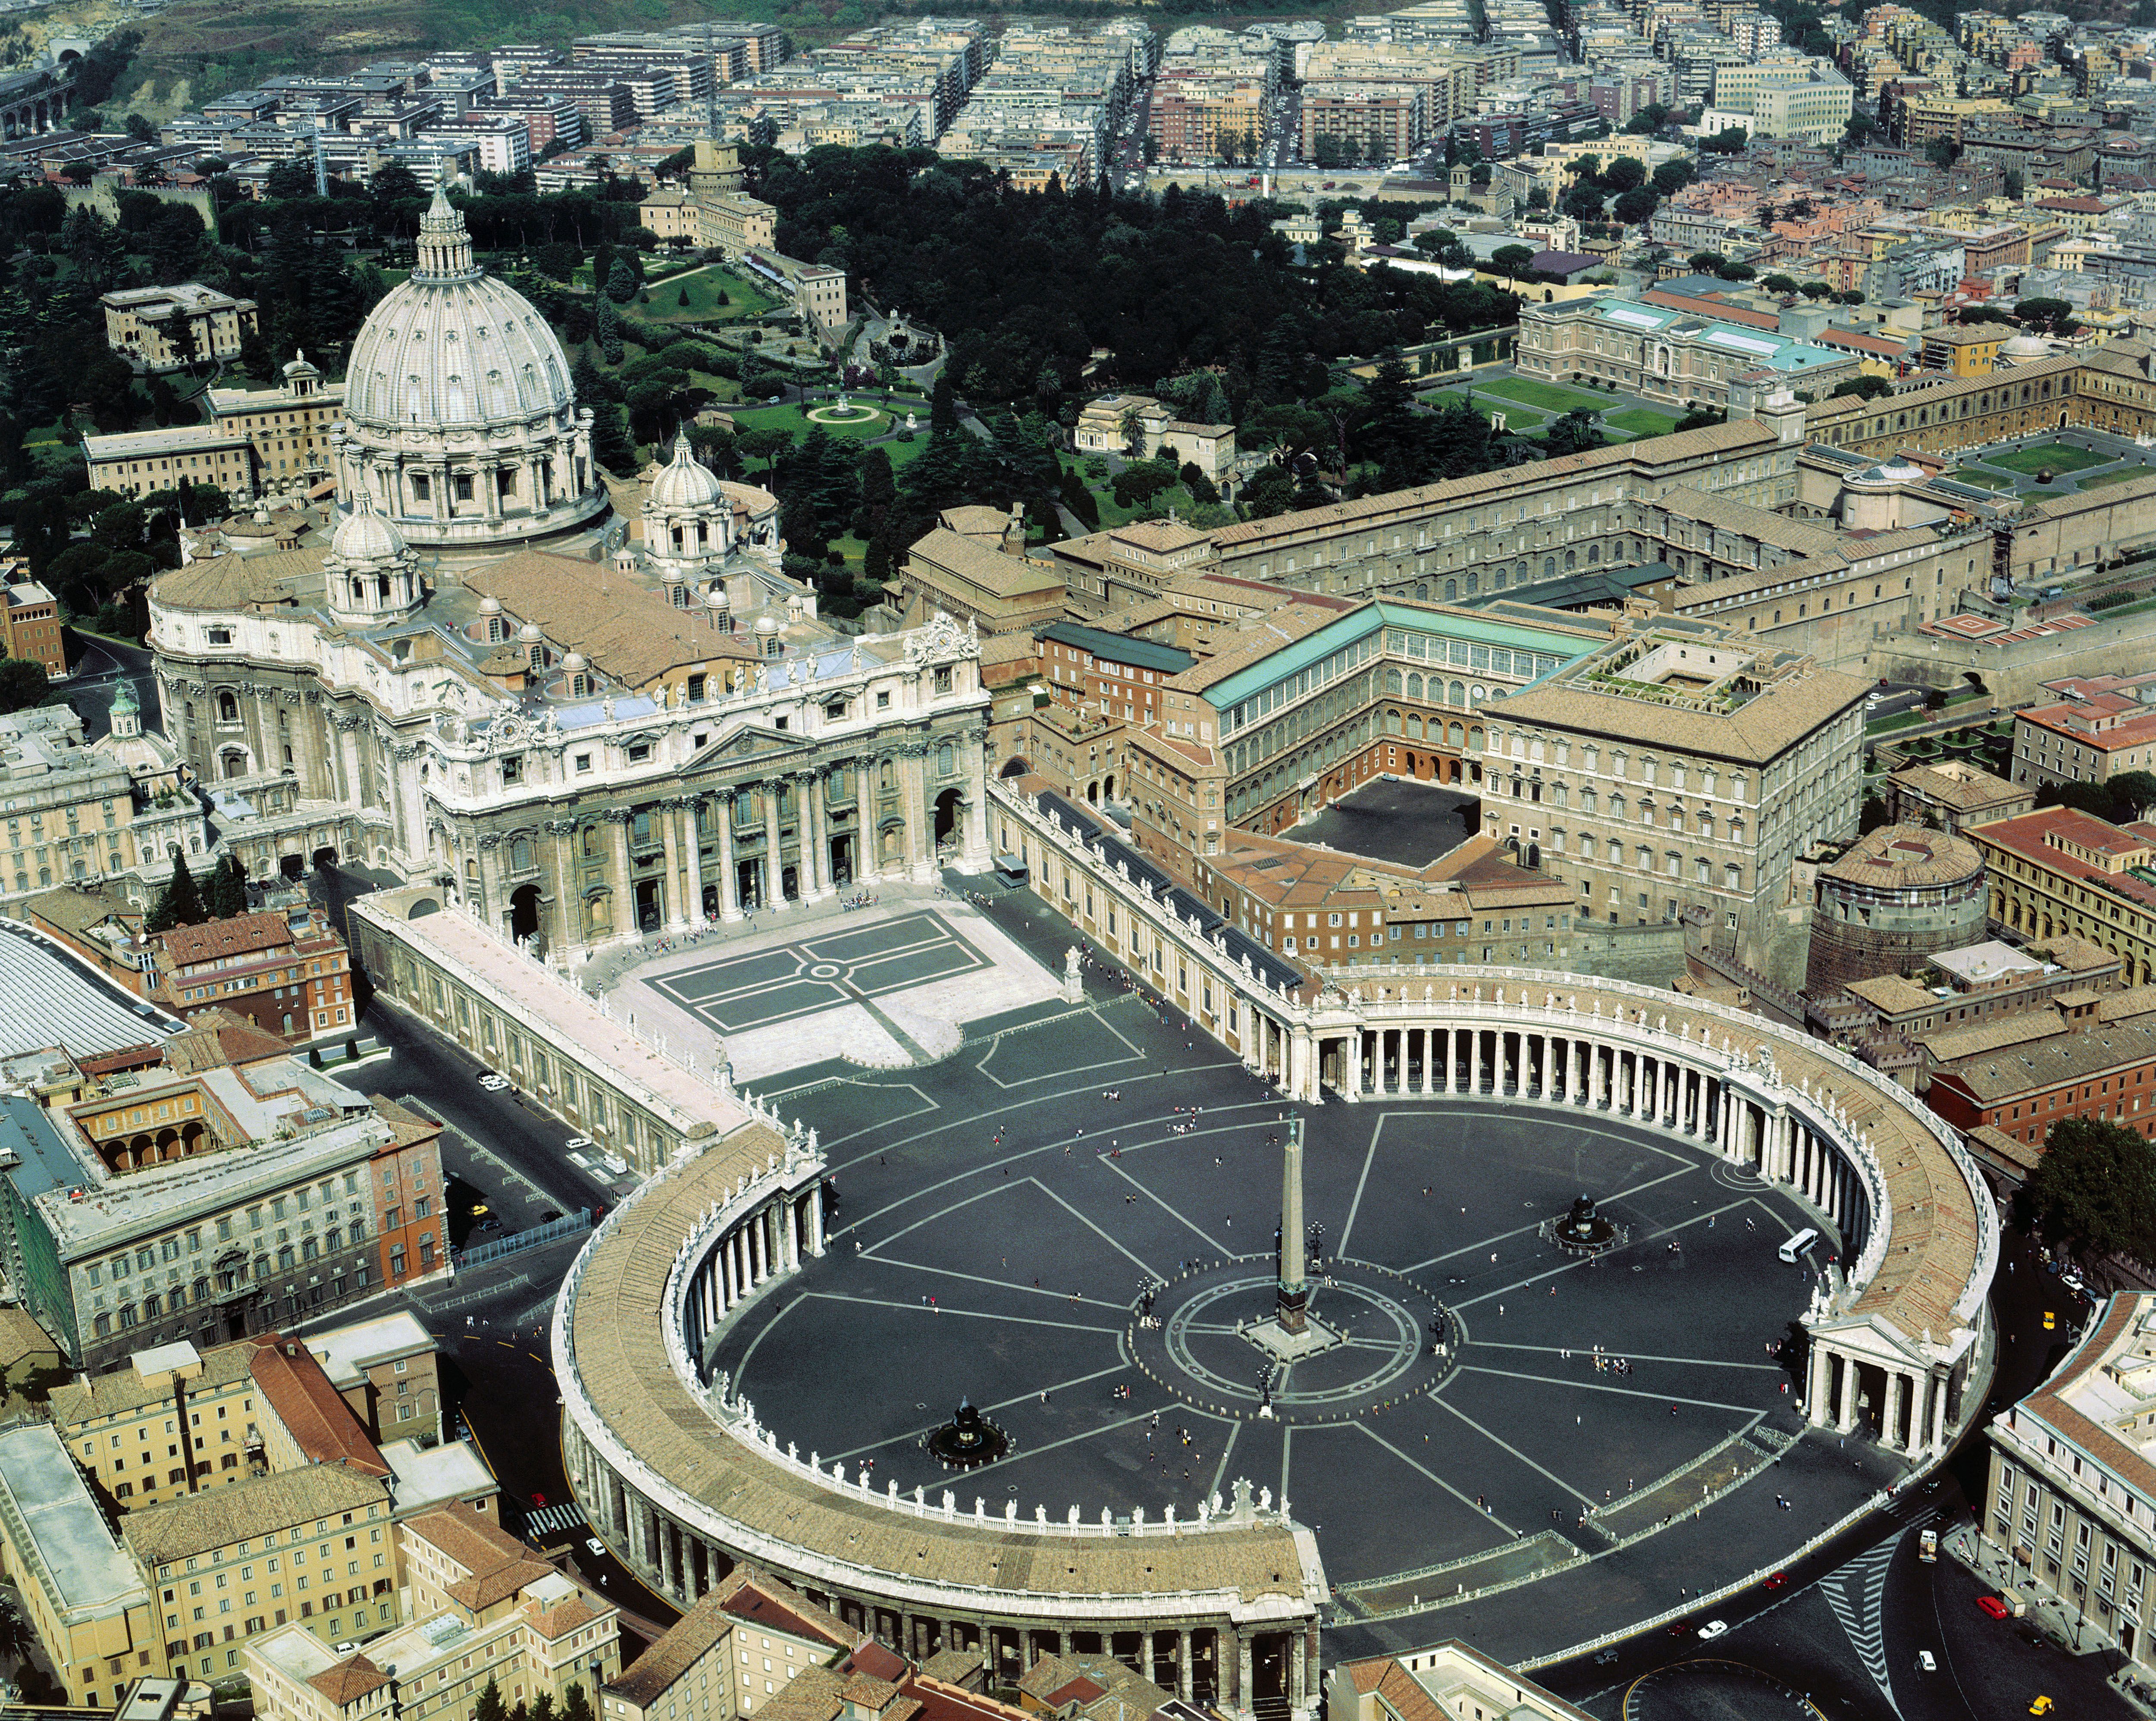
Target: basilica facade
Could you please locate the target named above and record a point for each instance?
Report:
(582, 731)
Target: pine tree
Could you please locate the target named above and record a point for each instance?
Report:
(490, 1706)
(228, 891)
(609, 331)
(574, 1705)
(621, 282)
(943, 409)
(610, 445)
(179, 904)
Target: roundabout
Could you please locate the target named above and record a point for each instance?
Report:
(844, 412)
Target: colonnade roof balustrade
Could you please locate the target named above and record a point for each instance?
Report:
(624, 1384)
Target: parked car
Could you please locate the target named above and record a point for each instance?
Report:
(575, 1142)
(596, 1546)
(615, 1163)
(492, 1081)
(1776, 1582)
(1991, 1605)
(580, 1162)
(1926, 1662)
(1712, 1630)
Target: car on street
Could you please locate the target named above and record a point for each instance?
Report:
(492, 1225)
(1926, 1662)
(2051, 1321)
(492, 1082)
(596, 1546)
(1606, 1658)
(479, 1210)
(615, 1163)
(1776, 1582)
(1991, 1605)
(575, 1142)
(1712, 1630)
(2041, 1706)
(1682, 1629)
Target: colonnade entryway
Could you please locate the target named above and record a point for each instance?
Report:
(767, 1241)
(1905, 1407)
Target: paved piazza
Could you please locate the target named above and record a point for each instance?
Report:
(889, 987)
(1000, 1217)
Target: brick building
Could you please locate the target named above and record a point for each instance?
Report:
(286, 971)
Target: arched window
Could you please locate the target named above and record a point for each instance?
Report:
(1393, 682)
(1571, 561)
(1474, 583)
(1414, 687)
(1549, 567)
(1451, 590)
(1456, 694)
(228, 706)
(520, 853)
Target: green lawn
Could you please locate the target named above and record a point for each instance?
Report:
(1541, 394)
(1641, 422)
(794, 419)
(2056, 456)
(1978, 476)
(2103, 478)
(745, 298)
(1516, 417)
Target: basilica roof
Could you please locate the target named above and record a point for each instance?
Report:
(452, 348)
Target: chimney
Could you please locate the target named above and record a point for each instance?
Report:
(1014, 543)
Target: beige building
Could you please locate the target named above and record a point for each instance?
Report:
(974, 567)
(166, 328)
(735, 223)
(1678, 771)
(1953, 795)
(314, 1547)
(485, 1609)
(744, 1640)
(386, 1370)
(2072, 1486)
(686, 1675)
(83, 1598)
(258, 440)
(125, 1426)
(1443, 1681)
(1109, 425)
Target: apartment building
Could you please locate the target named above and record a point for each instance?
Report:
(1677, 771)
(70, 808)
(1090, 670)
(82, 1595)
(1449, 1679)
(1666, 354)
(387, 1369)
(2070, 1495)
(2057, 871)
(30, 624)
(286, 970)
(485, 1609)
(168, 328)
(2091, 736)
(2023, 1086)
(312, 1547)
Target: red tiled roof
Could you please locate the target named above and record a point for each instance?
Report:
(313, 1410)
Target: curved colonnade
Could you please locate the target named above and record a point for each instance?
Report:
(676, 1470)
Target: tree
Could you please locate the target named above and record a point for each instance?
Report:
(1574, 433)
(1706, 262)
(287, 180)
(1864, 387)
(1673, 176)
(1872, 816)
(1512, 261)
(22, 684)
(1727, 141)
(1941, 151)
(2094, 1190)
(1736, 271)
(490, 1706)
(392, 183)
(228, 890)
(1637, 206)
(575, 1706)
(179, 904)
(1623, 173)
(2133, 792)
(621, 281)
(2040, 317)
(1781, 284)
(610, 445)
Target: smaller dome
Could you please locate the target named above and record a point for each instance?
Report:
(716, 598)
(299, 366)
(365, 536)
(574, 663)
(767, 625)
(685, 481)
(489, 606)
(2025, 346)
(529, 633)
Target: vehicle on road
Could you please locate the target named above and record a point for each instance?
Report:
(1712, 1630)
(615, 1163)
(2041, 1706)
(1796, 1246)
(1682, 1629)
(492, 1082)
(1993, 1606)
(1927, 1546)
(596, 1546)
(492, 1225)
(1925, 1661)
(2051, 1321)
(479, 1210)
(577, 1141)
(1776, 1582)
(1606, 1658)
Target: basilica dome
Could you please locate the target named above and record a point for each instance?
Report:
(460, 417)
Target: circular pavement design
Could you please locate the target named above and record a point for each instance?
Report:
(1001, 1220)
(1713, 1690)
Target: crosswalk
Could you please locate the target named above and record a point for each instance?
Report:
(1856, 1591)
(553, 1520)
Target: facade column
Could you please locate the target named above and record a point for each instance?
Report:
(1243, 1681)
(786, 1213)
(670, 837)
(1845, 1417)
(816, 1221)
(774, 856)
(624, 893)
(1183, 1683)
(722, 819)
(1351, 1083)
(1442, 1047)
(693, 838)
(815, 851)
(913, 795)
(1939, 1424)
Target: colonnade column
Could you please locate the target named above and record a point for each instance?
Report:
(624, 889)
(669, 836)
